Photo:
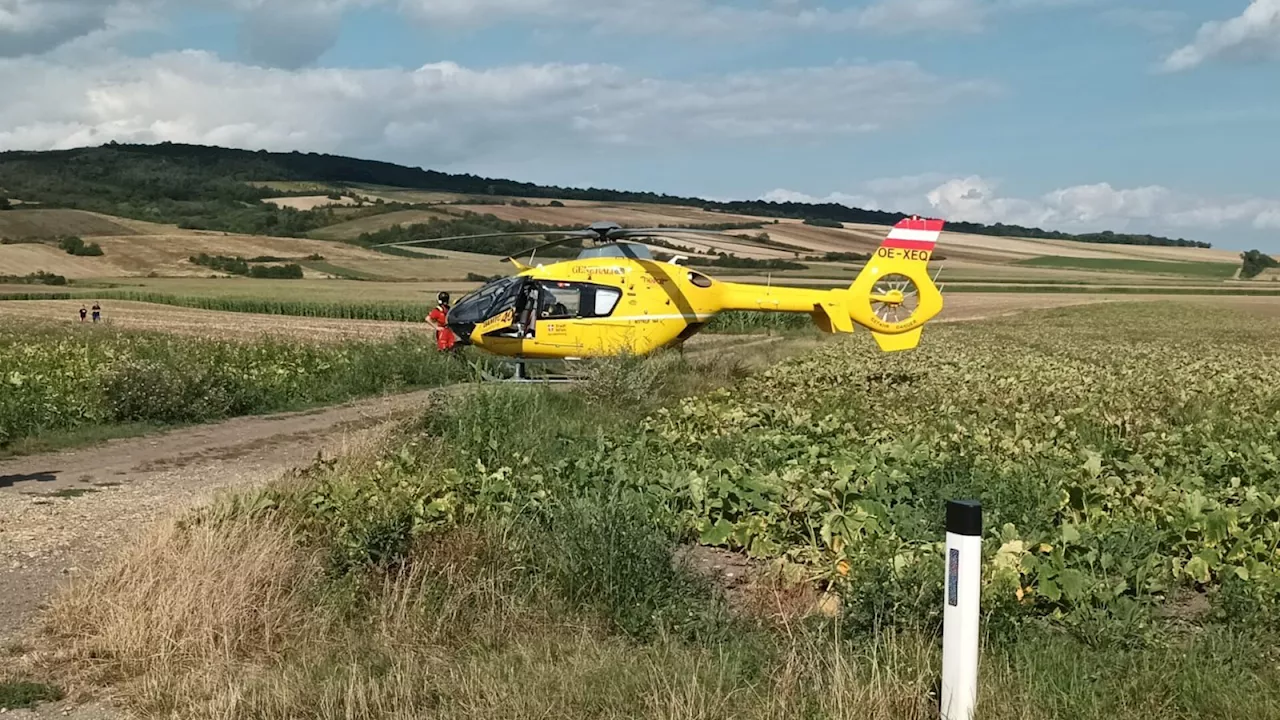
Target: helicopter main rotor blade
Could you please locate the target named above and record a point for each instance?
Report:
(647, 232)
(569, 233)
(550, 243)
(710, 235)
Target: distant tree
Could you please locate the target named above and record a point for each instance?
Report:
(76, 246)
(4, 203)
(823, 222)
(1254, 262)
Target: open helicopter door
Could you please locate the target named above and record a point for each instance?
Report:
(496, 310)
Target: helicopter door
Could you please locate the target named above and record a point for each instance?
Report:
(500, 306)
(557, 302)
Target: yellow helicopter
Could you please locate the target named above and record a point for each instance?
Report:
(615, 298)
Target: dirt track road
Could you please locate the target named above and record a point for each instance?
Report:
(60, 511)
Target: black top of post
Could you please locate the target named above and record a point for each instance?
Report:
(964, 517)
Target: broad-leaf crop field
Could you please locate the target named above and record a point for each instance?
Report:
(1128, 456)
(1125, 456)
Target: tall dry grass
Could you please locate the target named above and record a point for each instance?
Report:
(186, 608)
(232, 619)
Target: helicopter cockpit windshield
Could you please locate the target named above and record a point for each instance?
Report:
(482, 304)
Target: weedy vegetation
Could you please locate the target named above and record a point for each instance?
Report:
(22, 694)
(513, 552)
(59, 379)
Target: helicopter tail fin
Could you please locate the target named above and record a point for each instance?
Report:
(894, 296)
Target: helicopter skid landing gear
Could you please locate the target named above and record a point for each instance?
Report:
(522, 375)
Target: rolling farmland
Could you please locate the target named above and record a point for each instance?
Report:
(751, 528)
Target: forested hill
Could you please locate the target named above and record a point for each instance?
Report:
(167, 181)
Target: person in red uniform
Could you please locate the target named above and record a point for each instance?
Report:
(445, 339)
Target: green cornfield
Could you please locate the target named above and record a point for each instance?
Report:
(399, 312)
(55, 379)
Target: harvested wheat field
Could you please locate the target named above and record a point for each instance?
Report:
(354, 228)
(128, 315)
(310, 202)
(52, 223)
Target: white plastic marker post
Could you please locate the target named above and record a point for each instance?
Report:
(960, 610)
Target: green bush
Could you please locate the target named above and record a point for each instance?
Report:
(823, 222)
(76, 246)
(291, 271)
(40, 277)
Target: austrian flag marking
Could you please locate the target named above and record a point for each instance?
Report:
(914, 233)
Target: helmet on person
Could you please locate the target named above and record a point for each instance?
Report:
(443, 298)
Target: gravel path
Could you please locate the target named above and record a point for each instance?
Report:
(60, 512)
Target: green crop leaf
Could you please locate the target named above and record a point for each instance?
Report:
(1093, 465)
(717, 534)
(1050, 590)
(1073, 584)
(1197, 569)
(1070, 534)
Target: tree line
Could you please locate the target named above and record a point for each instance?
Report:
(207, 187)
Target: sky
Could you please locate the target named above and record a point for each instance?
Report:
(1156, 116)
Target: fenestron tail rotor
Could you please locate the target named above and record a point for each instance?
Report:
(894, 298)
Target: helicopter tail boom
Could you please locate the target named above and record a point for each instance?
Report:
(893, 296)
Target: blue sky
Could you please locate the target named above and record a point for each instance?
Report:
(1069, 114)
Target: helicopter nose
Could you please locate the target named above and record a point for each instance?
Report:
(462, 331)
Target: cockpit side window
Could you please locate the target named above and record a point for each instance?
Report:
(560, 300)
(567, 300)
(604, 300)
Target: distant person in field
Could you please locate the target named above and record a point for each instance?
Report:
(83, 313)
(445, 339)
(97, 312)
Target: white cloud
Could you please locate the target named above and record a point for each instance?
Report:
(36, 26)
(289, 35)
(714, 17)
(1082, 208)
(443, 112)
(955, 15)
(781, 195)
(1255, 33)
(294, 33)
(905, 184)
(1268, 219)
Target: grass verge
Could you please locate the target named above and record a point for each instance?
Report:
(52, 440)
